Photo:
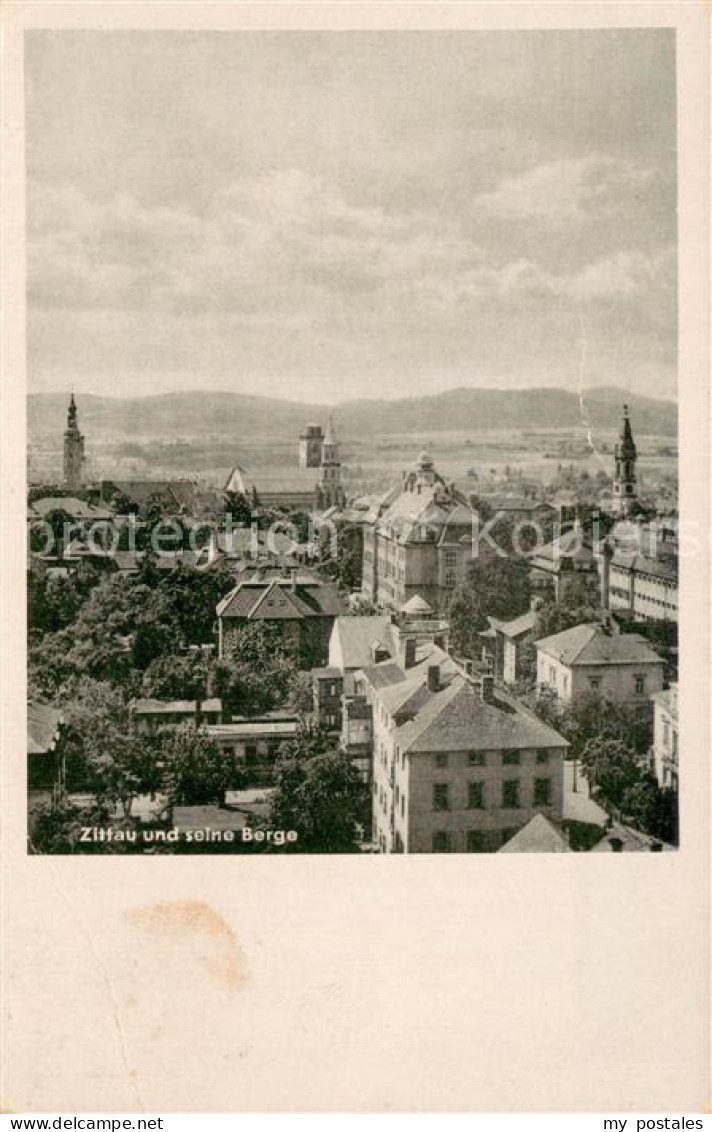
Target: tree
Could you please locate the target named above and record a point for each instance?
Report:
(255, 672)
(650, 809)
(554, 618)
(320, 794)
(611, 768)
(195, 770)
(181, 676)
(497, 587)
(237, 507)
(115, 762)
(58, 829)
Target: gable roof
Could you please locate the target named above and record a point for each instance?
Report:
(589, 644)
(280, 599)
(523, 624)
(537, 836)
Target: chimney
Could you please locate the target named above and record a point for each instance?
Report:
(410, 649)
(486, 687)
(433, 677)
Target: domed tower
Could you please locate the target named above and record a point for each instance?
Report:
(73, 448)
(425, 470)
(330, 490)
(624, 479)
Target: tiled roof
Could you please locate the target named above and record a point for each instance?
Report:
(352, 637)
(663, 567)
(523, 624)
(43, 723)
(589, 644)
(457, 718)
(277, 599)
(537, 836)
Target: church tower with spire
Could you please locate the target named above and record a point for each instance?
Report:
(73, 448)
(624, 479)
(330, 492)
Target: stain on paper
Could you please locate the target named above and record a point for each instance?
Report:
(193, 920)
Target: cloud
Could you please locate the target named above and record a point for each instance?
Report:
(282, 273)
(566, 191)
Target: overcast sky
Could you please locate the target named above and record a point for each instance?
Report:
(336, 215)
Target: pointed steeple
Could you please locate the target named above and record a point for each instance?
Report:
(72, 412)
(73, 447)
(624, 479)
(627, 444)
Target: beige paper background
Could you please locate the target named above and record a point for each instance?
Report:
(503, 983)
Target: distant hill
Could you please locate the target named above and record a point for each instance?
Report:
(220, 414)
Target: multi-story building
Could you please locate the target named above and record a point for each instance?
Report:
(589, 660)
(299, 604)
(506, 641)
(643, 586)
(456, 766)
(417, 541)
(565, 565)
(327, 693)
(310, 446)
(665, 738)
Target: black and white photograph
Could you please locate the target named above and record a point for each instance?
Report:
(353, 521)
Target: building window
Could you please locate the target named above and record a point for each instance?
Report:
(510, 758)
(594, 682)
(441, 842)
(475, 841)
(450, 579)
(542, 791)
(510, 794)
(542, 756)
(440, 796)
(477, 758)
(450, 559)
(476, 795)
(666, 733)
(441, 760)
(640, 685)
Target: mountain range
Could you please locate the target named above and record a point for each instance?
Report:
(205, 414)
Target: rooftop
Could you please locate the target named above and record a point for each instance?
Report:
(538, 836)
(590, 644)
(523, 624)
(175, 707)
(458, 719)
(352, 638)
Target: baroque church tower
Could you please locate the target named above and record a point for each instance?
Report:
(330, 492)
(73, 448)
(624, 479)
